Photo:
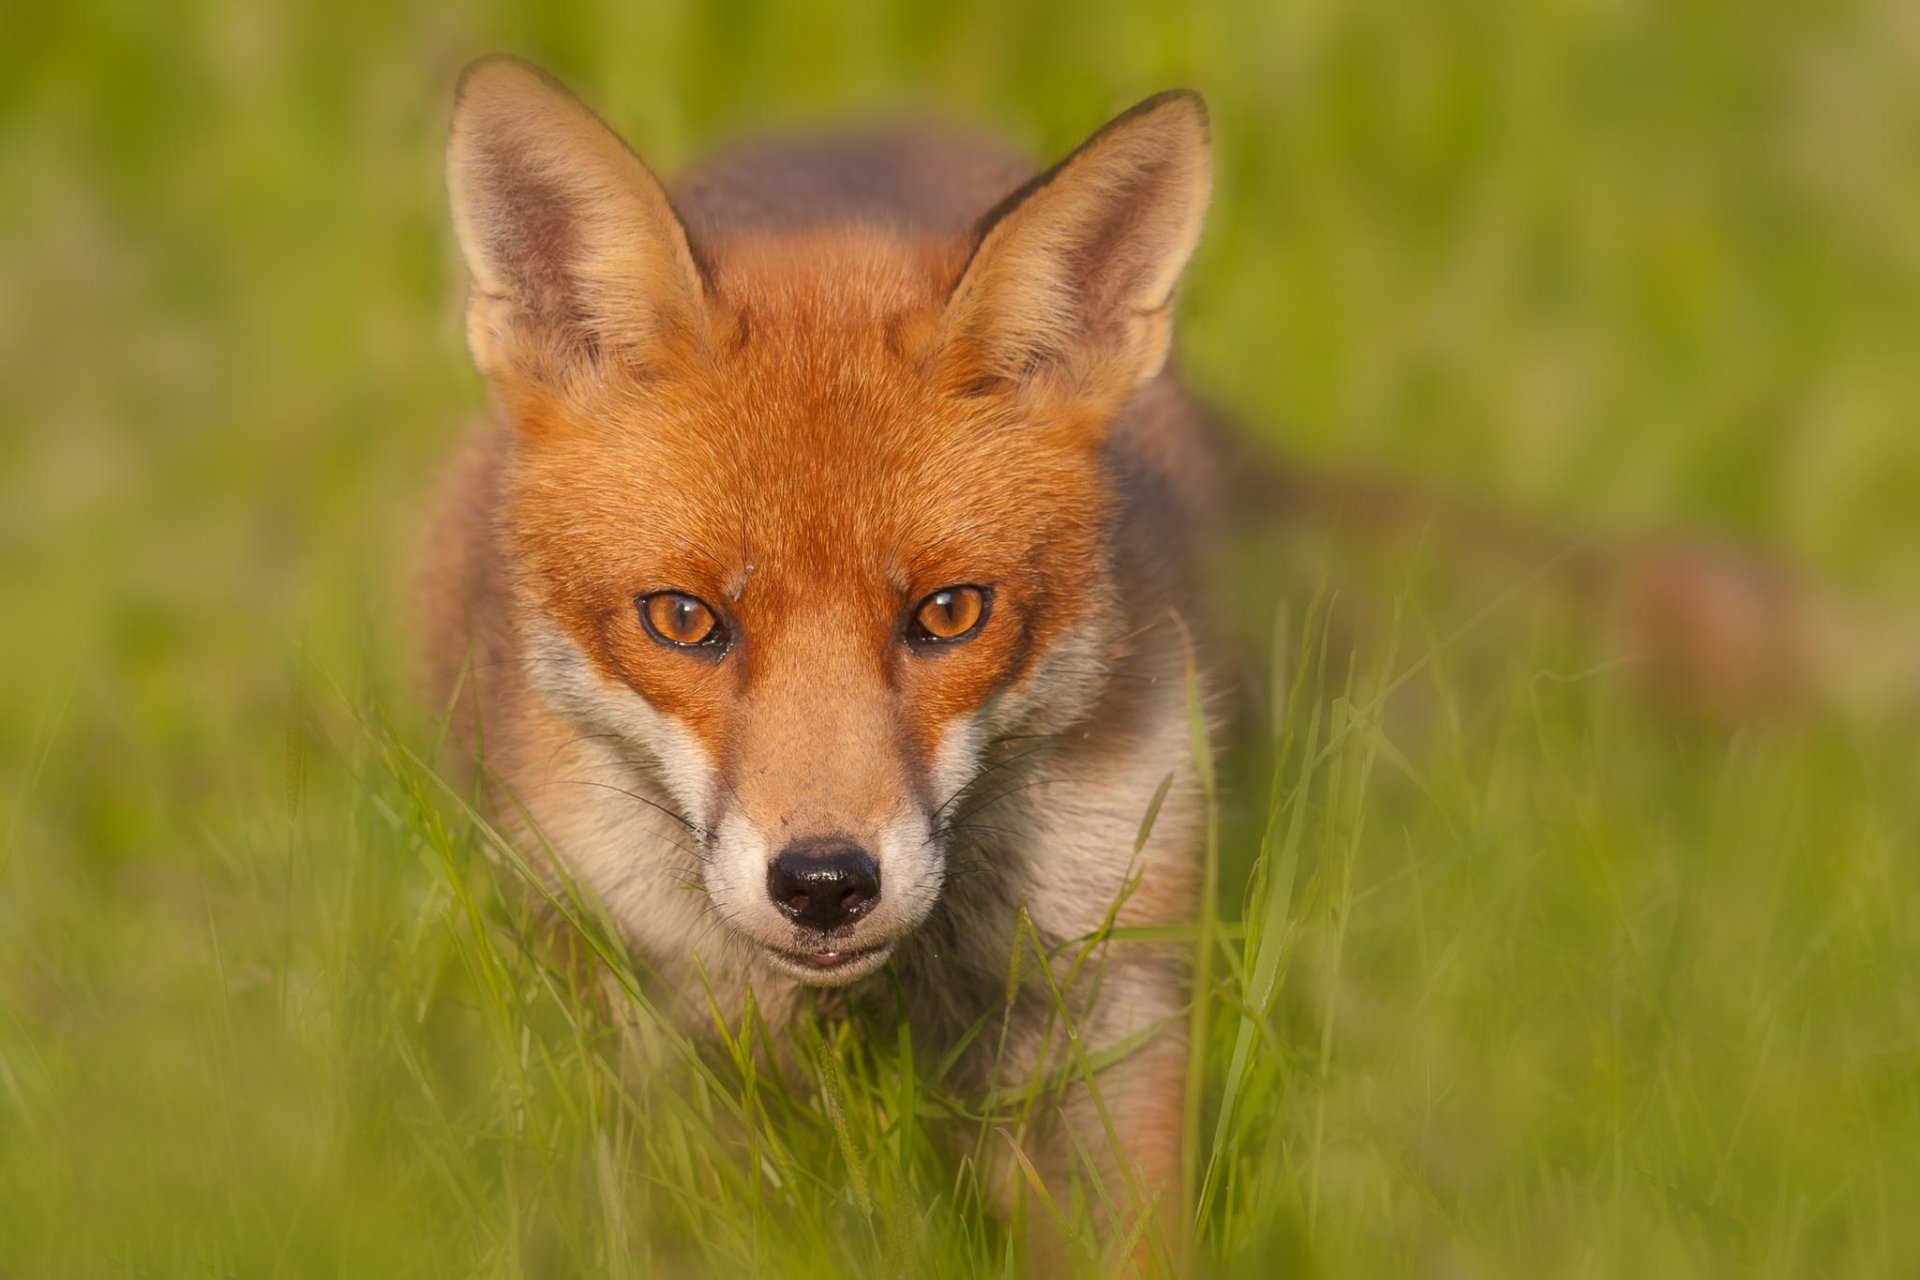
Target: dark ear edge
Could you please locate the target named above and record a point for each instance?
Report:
(573, 248)
(985, 223)
(1069, 280)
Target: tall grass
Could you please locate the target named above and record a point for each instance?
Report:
(1509, 973)
(1572, 993)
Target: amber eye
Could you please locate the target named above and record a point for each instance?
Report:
(951, 613)
(673, 618)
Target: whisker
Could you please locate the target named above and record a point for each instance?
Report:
(577, 738)
(970, 828)
(999, 796)
(981, 774)
(636, 796)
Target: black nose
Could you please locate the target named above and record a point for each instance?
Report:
(823, 884)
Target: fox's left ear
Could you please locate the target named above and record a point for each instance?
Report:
(1072, 277)
(578, 261)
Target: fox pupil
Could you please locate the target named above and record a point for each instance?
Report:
(951, 613)
(679, 619)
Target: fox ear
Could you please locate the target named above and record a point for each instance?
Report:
(577, 260)
(1072, 276)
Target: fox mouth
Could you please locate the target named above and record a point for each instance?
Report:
(830, 966)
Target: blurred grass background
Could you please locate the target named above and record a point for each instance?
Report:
(1568, 990)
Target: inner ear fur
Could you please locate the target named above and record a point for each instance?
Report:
(577, 259)
(1072, 277)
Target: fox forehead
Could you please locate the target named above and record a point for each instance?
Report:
(806, 450)
(809, 479)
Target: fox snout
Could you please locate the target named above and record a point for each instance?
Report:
(824, 904)
(823, 884)
(825, 908)
(823, 846)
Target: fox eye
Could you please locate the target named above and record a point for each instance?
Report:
(682, 620)
(951, 613)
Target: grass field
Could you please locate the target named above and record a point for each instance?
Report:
(1536, 981)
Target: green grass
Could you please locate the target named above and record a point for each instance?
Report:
(1517, 975)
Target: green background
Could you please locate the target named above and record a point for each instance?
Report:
(1569, 988)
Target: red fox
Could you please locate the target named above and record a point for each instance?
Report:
(830, 556)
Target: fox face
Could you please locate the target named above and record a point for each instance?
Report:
(809, 525)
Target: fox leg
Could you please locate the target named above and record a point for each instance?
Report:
(1131, 1134)
(1111, 1142)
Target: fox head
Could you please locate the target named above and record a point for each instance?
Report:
(808, 521)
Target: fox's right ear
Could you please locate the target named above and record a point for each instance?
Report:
(578, 261)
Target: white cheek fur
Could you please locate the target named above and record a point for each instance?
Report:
(565, 676)
(736, 874)
(955, 759)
